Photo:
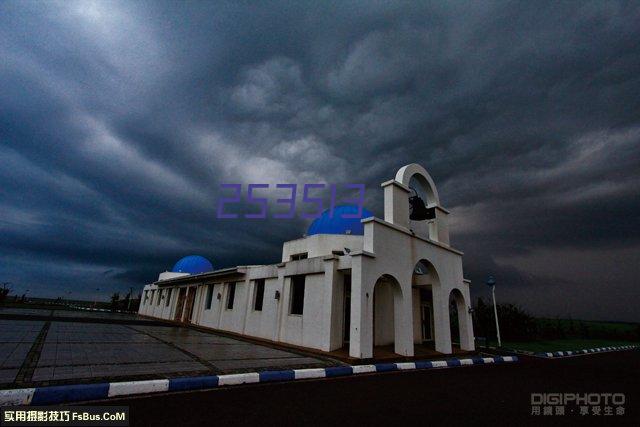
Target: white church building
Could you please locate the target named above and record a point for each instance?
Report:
(355, 284)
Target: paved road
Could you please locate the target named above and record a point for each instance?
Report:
(477, 395)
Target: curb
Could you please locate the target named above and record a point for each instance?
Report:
(556, 354)
(52, 395)
(79, 307)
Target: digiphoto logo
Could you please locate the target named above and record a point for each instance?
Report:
(605, 404)
(312, 207)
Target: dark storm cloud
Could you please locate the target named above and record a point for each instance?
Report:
(119, 120)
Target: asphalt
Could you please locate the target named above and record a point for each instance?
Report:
(474, 395)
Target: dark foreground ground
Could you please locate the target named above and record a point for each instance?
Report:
(476, 395)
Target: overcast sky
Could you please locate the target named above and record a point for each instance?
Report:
(120, 120)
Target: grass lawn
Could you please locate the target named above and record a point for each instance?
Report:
(564, 345)
(592, 325)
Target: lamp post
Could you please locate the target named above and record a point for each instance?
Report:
(491, 282)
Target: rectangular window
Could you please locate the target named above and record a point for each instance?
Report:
(209, 297)
(231, 295)
(146, 296)
(297, 294)
(296, 257)
(159, 297)
(153, 294)
(259, 295)
(168, 297)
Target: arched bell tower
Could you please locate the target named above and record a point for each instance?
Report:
(397, 208)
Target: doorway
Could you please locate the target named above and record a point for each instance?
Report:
(180, 305)
(386, 296)
(426, 315)
(346, 323)
(191, 297)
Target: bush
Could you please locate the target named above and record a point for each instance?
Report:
(518, 325)
(3, 294)
(515, 323)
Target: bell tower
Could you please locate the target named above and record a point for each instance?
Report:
(404, 204)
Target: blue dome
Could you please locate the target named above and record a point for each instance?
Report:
(339, 225)
(193, 264)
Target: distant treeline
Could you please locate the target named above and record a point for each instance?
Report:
(518, 325)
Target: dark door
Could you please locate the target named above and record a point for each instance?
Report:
(180, 305)
(191, 297)
(427, 328)
(347, 308)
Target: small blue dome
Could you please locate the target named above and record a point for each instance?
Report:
(193, 264)
(325, 224)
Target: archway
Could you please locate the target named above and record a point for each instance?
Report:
(387, 306)
(425, 285)
(420, 210)
(458, 319)
(416, 173)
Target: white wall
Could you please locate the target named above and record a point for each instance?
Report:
(263, 323)
(320, 245)
(166, 275)
(306, 329)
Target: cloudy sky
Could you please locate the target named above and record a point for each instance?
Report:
(120, 120)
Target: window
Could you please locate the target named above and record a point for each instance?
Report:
(159, 297)
(209, 296)
(146, 296)
(259, 295)
(231, 295)
(296, 257)
(153, 294)
(297, 294)
(168, 297)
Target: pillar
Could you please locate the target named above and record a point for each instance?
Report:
(396, 203)
(442, 328)
(467, 339)
(361, 334)
(403, 320)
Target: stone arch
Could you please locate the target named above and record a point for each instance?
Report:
(387, 312)
(460, 319)
(425, 291)
(420, 174)
(456, 304)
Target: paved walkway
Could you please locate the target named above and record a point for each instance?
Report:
(40, 352)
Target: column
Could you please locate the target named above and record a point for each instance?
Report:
(403, 320)
(442, 328)
(361, 339)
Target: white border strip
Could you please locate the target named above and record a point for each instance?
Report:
(137, 387)
(84, 392)
(573, 353)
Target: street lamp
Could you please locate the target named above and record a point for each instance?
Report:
(491, 282)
